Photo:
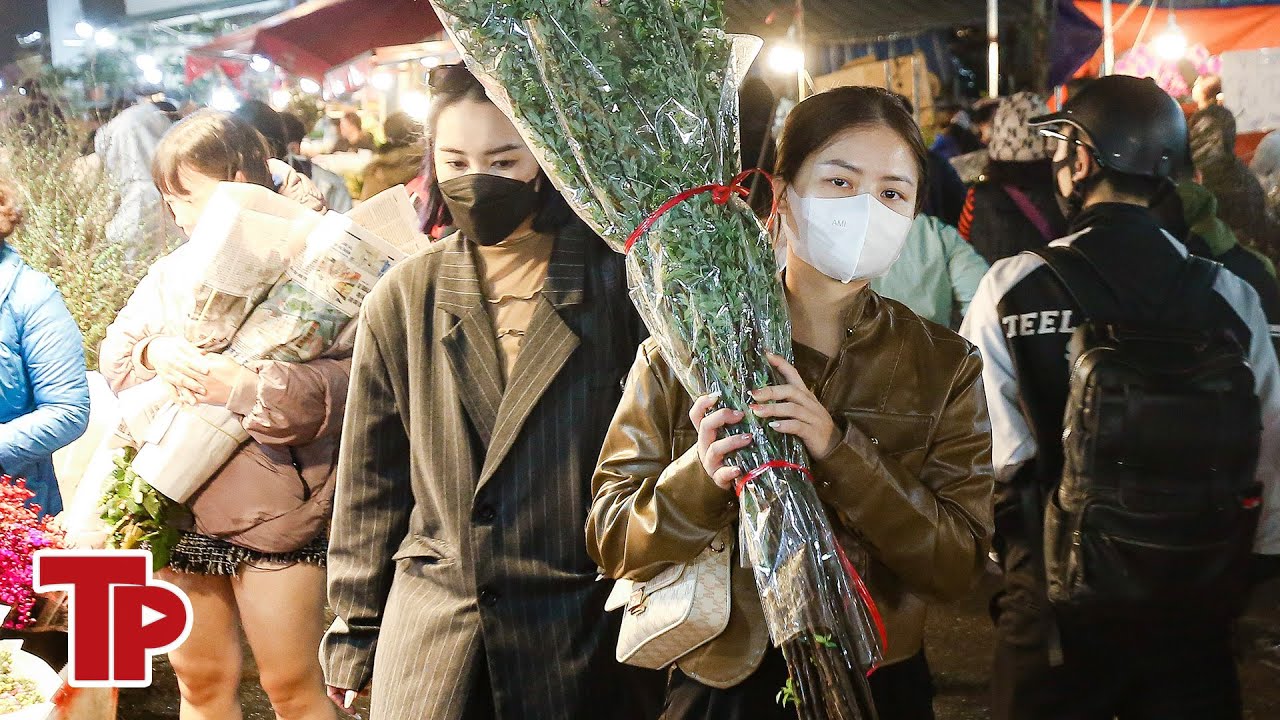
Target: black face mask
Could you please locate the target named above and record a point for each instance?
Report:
(488, 208)
(1072, 204)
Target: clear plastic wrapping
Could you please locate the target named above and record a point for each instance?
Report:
(629, 105)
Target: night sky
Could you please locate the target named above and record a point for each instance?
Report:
(19, 17)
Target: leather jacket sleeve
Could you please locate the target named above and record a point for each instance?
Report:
(651, 510)
(932, 528)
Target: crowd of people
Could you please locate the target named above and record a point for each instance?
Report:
(1038, 370)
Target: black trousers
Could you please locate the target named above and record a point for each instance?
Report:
(1124, 671)
(902, 691)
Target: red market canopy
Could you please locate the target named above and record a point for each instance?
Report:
(318, 35)
(1218, 29)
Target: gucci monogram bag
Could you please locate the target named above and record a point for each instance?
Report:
(678, 610)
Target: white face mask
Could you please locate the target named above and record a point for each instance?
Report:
(846, 239)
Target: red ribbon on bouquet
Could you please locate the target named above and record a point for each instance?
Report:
(858, 585)
(720, 194)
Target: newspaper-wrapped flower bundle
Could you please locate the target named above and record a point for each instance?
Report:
(631, 107)
(271, 280)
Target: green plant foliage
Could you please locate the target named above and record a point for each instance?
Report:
(67, 203)
(140, 517)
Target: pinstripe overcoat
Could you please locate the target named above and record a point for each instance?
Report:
(457, 544)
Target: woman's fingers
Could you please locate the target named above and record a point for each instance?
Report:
(778, 393)
(780, 410)
(184, 382)
(701, 407)
(713, 455)
(709, 429)
(340, 698)
(192, 362)
(721, 449)
(786, 369)
(726, 476)
(792, 427)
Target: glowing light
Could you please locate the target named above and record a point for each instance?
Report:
(431, 62)
(104, 38)
(383, 81)
(84, 30)
(415, 104)
(280, 99)
(146, 62)
(260, 64)
(786, 59)
(153, 76)
(309, 86)
(355, 76)
(224, 99)
(1171, 44)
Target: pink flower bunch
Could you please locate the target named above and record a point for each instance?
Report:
(22, 532)
(1142, 61)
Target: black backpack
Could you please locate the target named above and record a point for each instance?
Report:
(1156, 508)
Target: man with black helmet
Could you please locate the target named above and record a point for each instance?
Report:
(1066, 337)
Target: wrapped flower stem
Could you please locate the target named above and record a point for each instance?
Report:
(629, 105)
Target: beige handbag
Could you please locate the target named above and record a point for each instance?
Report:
(679, 610)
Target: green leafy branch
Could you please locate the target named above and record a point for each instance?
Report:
(140, 517)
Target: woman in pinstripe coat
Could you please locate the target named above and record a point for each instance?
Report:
(486, 372)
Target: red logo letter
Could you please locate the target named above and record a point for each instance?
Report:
(119, 616)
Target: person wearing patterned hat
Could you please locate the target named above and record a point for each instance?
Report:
(1012, 208)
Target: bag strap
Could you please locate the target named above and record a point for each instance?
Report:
(1078, 275)
(1193, 287)
(1030, 211)
(1086, 286)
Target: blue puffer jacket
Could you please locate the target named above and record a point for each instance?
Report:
(44, 393)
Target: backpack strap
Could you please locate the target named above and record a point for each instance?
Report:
(1100, 301)
(1193, 287)
(1082, 281)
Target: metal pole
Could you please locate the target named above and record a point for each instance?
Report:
(1108, 39)
(804, 52)
(915, 86)
(993, 48)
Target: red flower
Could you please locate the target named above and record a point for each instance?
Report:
(22, 532)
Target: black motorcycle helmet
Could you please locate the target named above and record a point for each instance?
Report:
(1133, 126)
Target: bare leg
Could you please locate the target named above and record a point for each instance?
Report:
(208, 664)
(282, 610)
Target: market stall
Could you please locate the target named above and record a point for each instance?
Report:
(302, 40)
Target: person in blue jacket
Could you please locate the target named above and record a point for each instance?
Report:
(44, 392)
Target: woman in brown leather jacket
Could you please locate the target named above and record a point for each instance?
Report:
(890, 407)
